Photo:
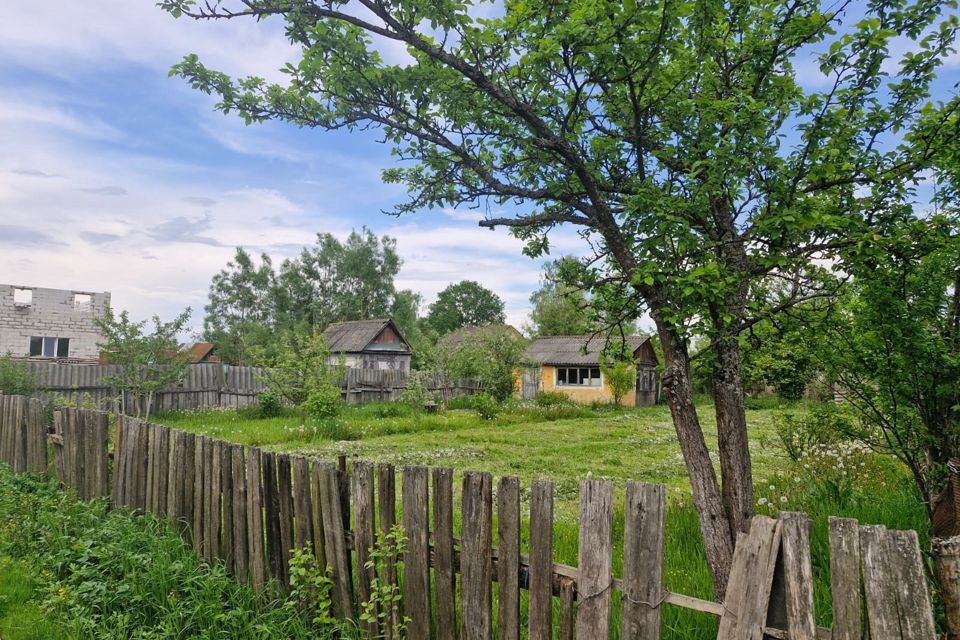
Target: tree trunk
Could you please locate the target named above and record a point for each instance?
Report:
(715, 524)
(735, 465)
(947, 555)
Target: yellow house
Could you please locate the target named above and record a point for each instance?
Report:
(571, 365)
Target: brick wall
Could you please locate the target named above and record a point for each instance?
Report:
(54, 313)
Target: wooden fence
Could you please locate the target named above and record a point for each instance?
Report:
(248, 509)
(215, 385)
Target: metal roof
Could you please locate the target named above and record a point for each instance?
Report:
(356, 335)
(574, 349)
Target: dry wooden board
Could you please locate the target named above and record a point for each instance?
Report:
(163, 472)
(241, 551)
(739, 573)
(798, 575)
(226, 517)
(255, 528)
(913, 599)
(150, 492)
(476, 566)
(845, 578)
(317, 517)
(302, 506)
(445, 572)
(199, 457)
(334, 540)
(567, 624)
(878, 585)
(387, 517)
(271, 513)
(416, 582)
(58, 449)
(595, 560)
(541, 561)
(175, 476)
(363, 540)
(508, 557)
(213, 509)
(764, 545)
(37, 442)
(285, 495)
(187, 482)
(643, 592)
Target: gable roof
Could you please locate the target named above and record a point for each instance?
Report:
(357, 335)
(570, 349)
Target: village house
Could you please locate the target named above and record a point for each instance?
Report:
(368, 344)
(572, 365)
(50, 324)
(454, 340)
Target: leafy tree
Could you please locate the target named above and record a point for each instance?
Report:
(239, 310)
(620, 376)
(405, 312)
(676, 137)
(149, 361)
(558, 309)
(298, 370)
(333, 281)
(491, 355)
(16, 378)
(779, 354)
(464, 304)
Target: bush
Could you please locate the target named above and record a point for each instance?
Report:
(621, 376)
(416, 395)
(552, 399)
(323, 401)
(270, 405)
(823, 425)
(487, 408)
(461, 402)
(16, 379)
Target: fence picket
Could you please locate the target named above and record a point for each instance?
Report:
(334, 543)
(387, 516)
(285, 495)
(241, 552)
(444, 573)
(913, 603)
(226, 514)
(596, 559)
(271, 514)
(879, 589)
(640, 613)
(199, 477)
(255, 528)
(845, 578)
(508, 558)
(363, 532)
(476, 565)
(416, 576)
(541, 561)
(798, 575)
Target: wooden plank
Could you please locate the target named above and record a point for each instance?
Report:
(285, 495)
(476, 563)
(99, 465)
(199, 515)
(541, 561)
(508, 558)
(765, 536)
(595, 559)
(187, 482)
(151, 473)
(241, 551)
(334, 541)
(567, 617)
(317, 517)
(845, 578)
(58, 450)
(798, 575)
(416, 579)
(19, 434)
(163, 472)
(226, 501)
(175, 476)
(302, 505)
(643, 540)
(212, 507)
(37, 442)
(445, 573)
(363, 540)
(913, 599)
(271, 514)
(255, 528)
(140, 468)
(71, 442)
(878, 585)
(739, 573)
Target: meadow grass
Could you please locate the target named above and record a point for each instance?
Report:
(21, 616)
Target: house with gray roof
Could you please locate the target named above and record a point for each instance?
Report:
(368, 344)
(572, 365)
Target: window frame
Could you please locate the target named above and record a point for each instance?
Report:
(59, 348)
(563, 377)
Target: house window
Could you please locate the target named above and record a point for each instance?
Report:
(578, 376)
(23, 297)
(82, 301)
(48, 347)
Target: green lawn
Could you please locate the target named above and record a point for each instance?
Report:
(637, 444)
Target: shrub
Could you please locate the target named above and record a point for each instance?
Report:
(552, 399)
(461, 402)
(823, 425)
(16, 377)
(416, 395)
(620, 376)
(323, 401)
(487, 408)
(270, 405)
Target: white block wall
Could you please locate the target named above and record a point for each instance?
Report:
(51, 313)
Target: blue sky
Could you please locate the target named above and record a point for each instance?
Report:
(115, 177)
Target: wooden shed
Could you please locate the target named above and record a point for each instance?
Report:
(571, 365)
(368, 344)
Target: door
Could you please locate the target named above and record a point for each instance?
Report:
(531, 382)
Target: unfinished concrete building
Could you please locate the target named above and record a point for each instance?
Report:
(50, 324)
